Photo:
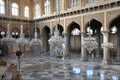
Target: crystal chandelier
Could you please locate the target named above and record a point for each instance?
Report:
(8, 39)
(22, 40)
(35, 41)
(90, 42)
(107, 45)
(56, 41)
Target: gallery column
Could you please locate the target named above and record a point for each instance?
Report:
(83, 50)
(106, 53)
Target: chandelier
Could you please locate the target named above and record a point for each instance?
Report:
(8, 39)
(56, 42)
(22, 40)
(107, 45)
(35, 41)
(90, 42)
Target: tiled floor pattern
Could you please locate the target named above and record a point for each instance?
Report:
(68, 69)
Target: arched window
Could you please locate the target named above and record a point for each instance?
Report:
(47, 7)
(37, 11)
(15, 9)
(2, 7)
(58, 5)
(26, 11)
(73, 3)
(75, 31)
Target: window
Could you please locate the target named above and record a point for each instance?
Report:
(15, 9)
(26, 11)
(37, 11)
(47, 7)
(75, 31)
(2, 7)
(58, 5)
(73, 3)
(90, 1)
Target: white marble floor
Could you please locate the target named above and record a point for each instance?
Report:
(49, 68)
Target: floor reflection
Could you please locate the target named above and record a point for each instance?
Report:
(68, 69)
(76, 70)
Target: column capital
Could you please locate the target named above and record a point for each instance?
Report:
(105, 31)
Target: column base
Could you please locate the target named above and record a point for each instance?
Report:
(106, 62)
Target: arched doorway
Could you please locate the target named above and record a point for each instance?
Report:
(45, 38)
(75, 39)
(94, 28)
(114, 29)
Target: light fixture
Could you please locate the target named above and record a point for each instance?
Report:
(56, 41)
(22, 40)
(90, 42)
(8, 39)
(107, 45)
(35, 41)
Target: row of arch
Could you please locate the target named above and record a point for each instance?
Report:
(75, 40)
(96, 26)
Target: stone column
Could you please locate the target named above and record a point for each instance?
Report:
(83, 50)
(67, 44)
(106, 53)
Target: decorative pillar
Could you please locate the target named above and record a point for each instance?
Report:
(106, 53)
(83, 50)
(67, 44)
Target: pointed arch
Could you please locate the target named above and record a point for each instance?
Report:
(94, 24)
(72, 25)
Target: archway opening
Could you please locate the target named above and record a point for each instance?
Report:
(45, 38)
(94, 28)
(75, 38)
(114, 29)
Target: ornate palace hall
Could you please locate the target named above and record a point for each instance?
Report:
(59, 39)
